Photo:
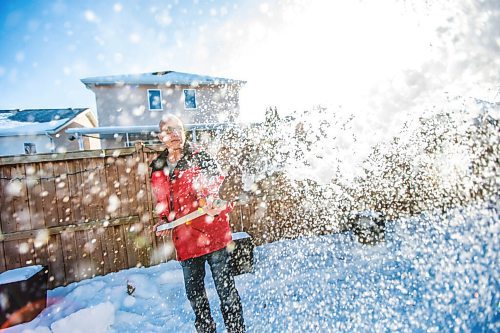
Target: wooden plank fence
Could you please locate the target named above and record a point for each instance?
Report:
(87, 213)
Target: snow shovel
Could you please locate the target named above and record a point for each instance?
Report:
(189, 217)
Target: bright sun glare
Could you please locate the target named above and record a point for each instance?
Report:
(334, 52)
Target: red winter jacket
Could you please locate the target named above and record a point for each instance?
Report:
(177, 192)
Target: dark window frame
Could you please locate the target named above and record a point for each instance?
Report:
(151, 99)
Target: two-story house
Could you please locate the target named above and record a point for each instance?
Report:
(129, 107)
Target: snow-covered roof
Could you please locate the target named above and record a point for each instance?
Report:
(157, 78)
(36, 121)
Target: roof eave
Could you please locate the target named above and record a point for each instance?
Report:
(122, 83)
(36, 133)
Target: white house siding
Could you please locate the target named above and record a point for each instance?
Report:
(128, 105)
(14, 145)
(63, 143)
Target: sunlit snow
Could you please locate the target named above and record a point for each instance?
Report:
(433, 273)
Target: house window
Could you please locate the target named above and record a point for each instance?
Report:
(154, 99)
(29, 148)
(189, 98)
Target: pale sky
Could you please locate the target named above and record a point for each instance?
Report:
(375, 58)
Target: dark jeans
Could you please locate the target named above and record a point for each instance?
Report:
(230, 303)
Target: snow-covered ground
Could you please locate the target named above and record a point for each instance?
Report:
(434, 273)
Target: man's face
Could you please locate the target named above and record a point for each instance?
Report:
(172, 134)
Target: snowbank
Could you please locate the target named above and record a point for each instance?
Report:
(434, 273)
(96, 319)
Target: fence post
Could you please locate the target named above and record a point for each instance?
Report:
(146, 239)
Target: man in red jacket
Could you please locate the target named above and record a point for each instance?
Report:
(183, 179)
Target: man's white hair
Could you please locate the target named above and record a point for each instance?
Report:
(166, 117)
